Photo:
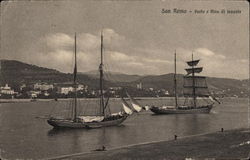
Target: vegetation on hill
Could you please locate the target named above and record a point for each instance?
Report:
(16, 73)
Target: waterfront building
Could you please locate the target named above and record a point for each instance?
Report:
(66, 90)
(34, 94)
(43, 86)
(7, 90)
(139, 86)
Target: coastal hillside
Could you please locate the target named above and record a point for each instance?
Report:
(223, 86)
(113, 76)
(16, 73)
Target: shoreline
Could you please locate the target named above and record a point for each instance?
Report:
(206, 145)
(64, 99)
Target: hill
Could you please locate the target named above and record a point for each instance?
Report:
(16, 73)
(113, 76)
(226, 86)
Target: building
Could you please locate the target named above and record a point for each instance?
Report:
(43, 86)
(166, 93)
(115, 88)
(66, 90)
(112, 92)
(139, 86)
(81, 87)
(34, 94)
(22, 87)
(93, 92)
(46, 94)
(7, 90)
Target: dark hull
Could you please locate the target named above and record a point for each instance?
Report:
(56, 123)
(198, 110)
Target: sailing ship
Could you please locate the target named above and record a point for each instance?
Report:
(194, 87)
(103, 119)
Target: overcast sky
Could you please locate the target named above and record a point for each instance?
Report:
(138, 38)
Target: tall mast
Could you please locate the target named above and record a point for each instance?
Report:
(75, 72)
(175, 83)
(101, 79)
(194, 96)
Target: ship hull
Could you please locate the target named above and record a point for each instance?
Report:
(198, 110)
(56, 123)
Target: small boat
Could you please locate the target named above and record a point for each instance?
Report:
(195, 87)
(103, 119)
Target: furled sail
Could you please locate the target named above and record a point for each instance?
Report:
(195, 70)
(193, 63)
(91, 118)
(126, 107)
(137, 107)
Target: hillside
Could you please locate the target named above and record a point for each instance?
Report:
(16, 73)
(225, 86)
(113, 76)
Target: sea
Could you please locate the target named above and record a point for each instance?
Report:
(25, 133)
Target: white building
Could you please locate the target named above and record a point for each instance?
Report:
(46, 94)
(43, 86)
(166, 93)
(139, 86)
(22, 86)
(115, 88)
(34, 94)
(81, 87)
(6, 90)
(66, 90)
(151, 89)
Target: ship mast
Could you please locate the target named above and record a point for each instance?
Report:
(194, 96)
(101, 80)
(175, 83)
(75, 85)
(194, 85)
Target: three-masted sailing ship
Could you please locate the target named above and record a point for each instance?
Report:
(96, 121)
(194, 87)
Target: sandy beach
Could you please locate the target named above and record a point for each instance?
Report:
(231, 144)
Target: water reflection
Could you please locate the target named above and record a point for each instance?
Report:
(58, 131)
(79, 140)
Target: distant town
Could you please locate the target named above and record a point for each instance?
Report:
(44, 90)
(66, 90)
(19, 80)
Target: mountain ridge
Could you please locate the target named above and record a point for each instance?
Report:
(27, 73)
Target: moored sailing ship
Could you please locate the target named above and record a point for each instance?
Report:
(194, 87)
(103, 119)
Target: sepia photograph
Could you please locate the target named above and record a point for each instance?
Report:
(124, 79)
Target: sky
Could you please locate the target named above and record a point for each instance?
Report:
(138, 37)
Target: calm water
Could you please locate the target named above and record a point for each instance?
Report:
(23, 135)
